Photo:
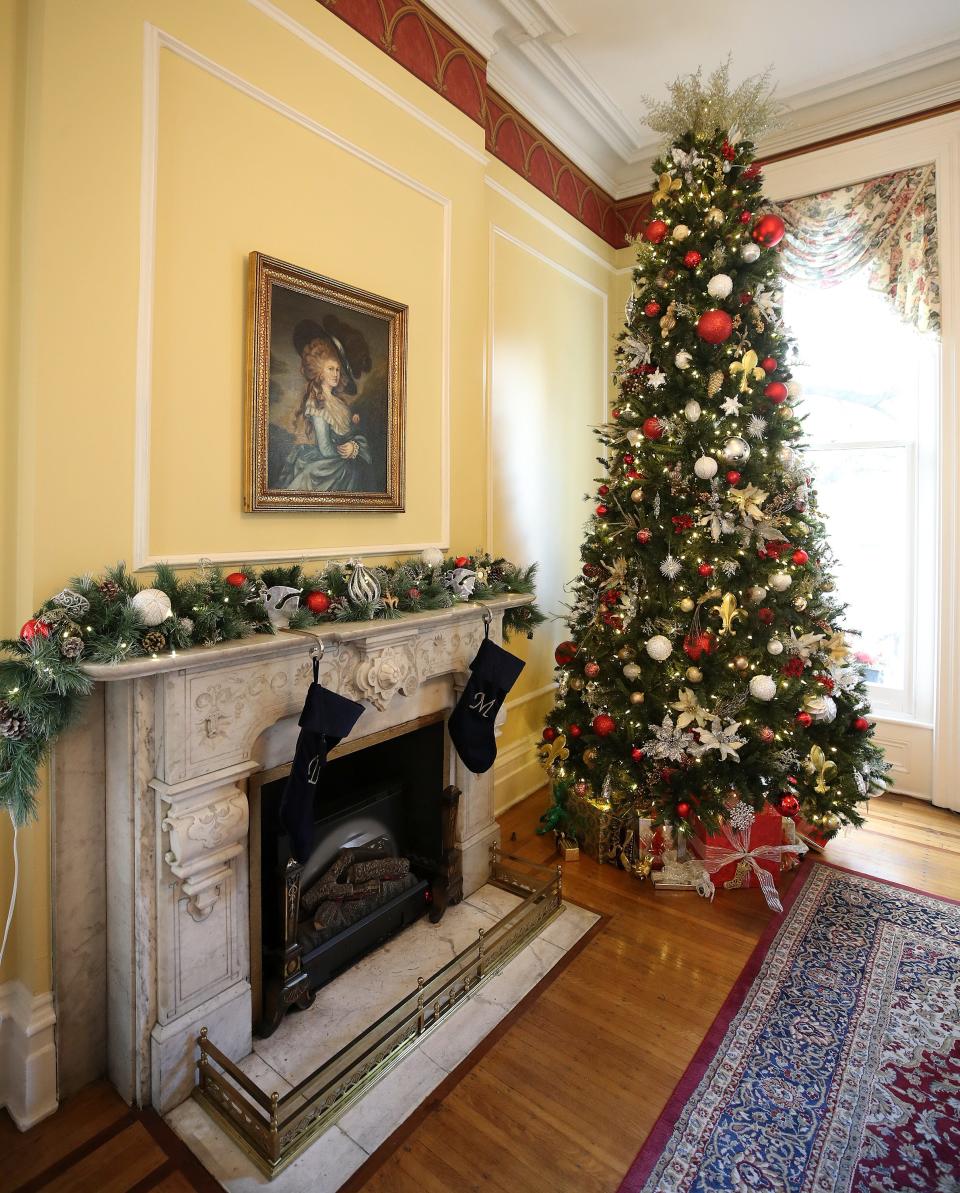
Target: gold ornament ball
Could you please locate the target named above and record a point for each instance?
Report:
(714, 216)
(694, 674)
(785, 411)
(637, 697)
(800, 604)
(576, 682)
(831, 822)
(589, 757)
(636, 496)
(741, 662)
(688, 604)
(626, 653)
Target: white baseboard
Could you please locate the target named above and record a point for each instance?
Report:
(28, 1054)
(517, 773)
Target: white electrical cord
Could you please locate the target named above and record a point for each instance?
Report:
(13, 893)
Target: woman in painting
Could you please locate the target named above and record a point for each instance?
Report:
(329, 453)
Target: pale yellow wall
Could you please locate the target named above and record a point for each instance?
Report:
(340, 180)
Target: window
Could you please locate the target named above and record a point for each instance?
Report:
(870, 384)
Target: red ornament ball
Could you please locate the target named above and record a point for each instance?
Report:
(462, 560)
(413, 594)
(746, 217)
(765, 615)
(602, 511)
(683, 809)
(733, 477)
(705, 569)
(767, 735)
(603, 490)
(652, 428)
(319, 602)
(549, 733)
(655, 231)
(591, 670)
(652, 309)
(692, 259)
(861, 724)
(804, 719)
(628, 457)
(636, 754)
(714, 326)
(799, 557)
(769, 364)
(591, 570)
(565, 653)
(768, 230)
(574, 730)
(746, 298)
(776, 391)
(614, 413)
(30, 629)
(644, 537)
(236, 579)
(603, 724)
(789, 805)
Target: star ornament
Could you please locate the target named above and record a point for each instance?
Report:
(731, 406)
(656, 379)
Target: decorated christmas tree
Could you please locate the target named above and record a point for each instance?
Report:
(708, 665)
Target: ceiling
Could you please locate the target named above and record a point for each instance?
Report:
(579, 68)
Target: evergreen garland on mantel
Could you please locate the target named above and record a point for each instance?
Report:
(113, 618)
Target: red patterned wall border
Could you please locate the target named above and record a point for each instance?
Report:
(418, 40)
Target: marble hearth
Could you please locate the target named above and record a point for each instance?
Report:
(150, 829)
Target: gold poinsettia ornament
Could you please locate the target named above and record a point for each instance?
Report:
(667, 186)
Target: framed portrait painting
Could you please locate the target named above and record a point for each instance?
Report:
(326, 393)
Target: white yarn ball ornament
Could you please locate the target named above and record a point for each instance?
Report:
(763, 687)
(692, 411)
(775, 646)
(659, 648)
(632, 671)
(720, 285)
(681, 232)
(683, 360)
(705, 468)
(780, 581)
(431, 556)
(750, 251)
(152, 605)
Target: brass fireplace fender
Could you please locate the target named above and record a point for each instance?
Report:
(273, 1129)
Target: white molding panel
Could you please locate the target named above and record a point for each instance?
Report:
(28, 1055)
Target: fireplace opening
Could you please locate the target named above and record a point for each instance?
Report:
(383, 855)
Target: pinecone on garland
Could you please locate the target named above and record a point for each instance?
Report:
(109, 589)
(13, 725)
(154, 642)
(71, 646)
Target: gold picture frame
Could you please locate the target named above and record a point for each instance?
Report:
(325, 394)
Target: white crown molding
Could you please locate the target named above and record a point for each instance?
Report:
(537, 18)
(156, 39)
(469, 30)
(28, 1055)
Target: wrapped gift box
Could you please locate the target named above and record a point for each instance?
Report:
(767, 829)
(810, 834)
(596, 826)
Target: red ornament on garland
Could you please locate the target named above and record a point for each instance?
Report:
(652, 309)
(804, 719)
(462, 560)
(799, 557)
(565, 653)
(655, 231)
(30, 629)
(733, 477)
(636, 754)
(768, 230)
(549, 733)
(715, 326)
(861, 724)
(319, 602)
(705, 569)
(603, 724)
(769, 364)
(644, 537)
(692, 259)
(652, 428)
(236, 579)
(683, 809)
(776, 391)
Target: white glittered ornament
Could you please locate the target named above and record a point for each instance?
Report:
(632, 671)
(681, 232)
(775, 646)
(683, 360)
(763, 687)
(750, 251)
(720, 285)
(692, 411)
(780, 581)
(756, 594)
(736, 450)
(705, 468)
(431, 556)
(659, 647)
(152, 605)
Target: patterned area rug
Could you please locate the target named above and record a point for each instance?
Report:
(834, 1066)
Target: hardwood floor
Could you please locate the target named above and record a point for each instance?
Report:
(563, 1097)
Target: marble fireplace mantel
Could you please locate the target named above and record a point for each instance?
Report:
(150, 820)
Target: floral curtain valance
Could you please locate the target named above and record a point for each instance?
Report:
(886, 226)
